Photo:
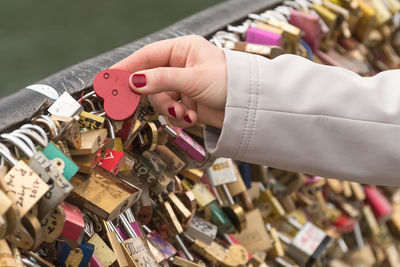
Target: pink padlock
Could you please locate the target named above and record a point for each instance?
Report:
(95, 261)
(309, 23)
(259, 36)
(380, 205)
(74, 223)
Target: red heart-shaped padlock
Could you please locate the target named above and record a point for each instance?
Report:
(112, 85)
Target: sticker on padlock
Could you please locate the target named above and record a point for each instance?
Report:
(90, 121)
(202, 230)
(162, 245)
(222, 172)
(156, 181)
(138, 252)
(66, 106)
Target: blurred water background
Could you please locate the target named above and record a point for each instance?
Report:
(39, 38)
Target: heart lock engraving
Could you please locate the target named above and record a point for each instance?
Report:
(112, 85)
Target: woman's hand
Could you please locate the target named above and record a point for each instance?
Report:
(185, 78)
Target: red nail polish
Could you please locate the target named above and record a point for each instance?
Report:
(187, 119)
(171, 111)
(139, 80)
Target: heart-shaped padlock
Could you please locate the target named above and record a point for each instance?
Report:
(112, 85)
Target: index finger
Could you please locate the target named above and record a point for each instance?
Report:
(158, 54)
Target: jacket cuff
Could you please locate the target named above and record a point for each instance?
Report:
(236, 132)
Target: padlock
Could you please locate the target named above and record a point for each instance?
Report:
(277, 248)
(260, 36)
(162, 245)
(173, 162)
(149, 169)
(70, 131)
(268, 51)
(31, 223)
(22, 184)
(290, 34)
(308, 245)
(146, 138)
(194, 175)
(73, 224)
(48, 124)
(366, 22)
(331, 20)
(221, 173)
(178, 261)
(115, 241)
(254, 237)
(104, 254)
(184, 142)
(112, 161)
(6, 256)
(179, 207)
(120, 102)
(202, 230)
(52, 152)
(80, 256)
(53, 224)
(269, 205)
(92, 141)
(65, 106)
(379, 204)
(103, 194)
(207, 201)
(310, 25)
(138, 253)
(90, 121)
(49, 171)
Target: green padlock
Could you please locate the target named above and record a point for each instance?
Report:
(52, 152)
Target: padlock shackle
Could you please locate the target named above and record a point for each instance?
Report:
(17, 142)
(6, 154)
(51, 124)
(38, 130)
(25, 139)
(33, 136)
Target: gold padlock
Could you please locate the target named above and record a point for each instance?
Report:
(103, 194)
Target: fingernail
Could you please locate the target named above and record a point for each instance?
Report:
(171, 111)
(187, 119)
(139, 80)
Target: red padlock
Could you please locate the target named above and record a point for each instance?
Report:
(74, 224)
(112, 161)
(112, 85)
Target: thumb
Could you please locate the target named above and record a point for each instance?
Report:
(157, 80)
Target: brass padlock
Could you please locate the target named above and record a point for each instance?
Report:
(103, 194)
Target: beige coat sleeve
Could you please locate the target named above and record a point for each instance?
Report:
(293, 114)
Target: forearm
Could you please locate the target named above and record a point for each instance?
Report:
(293, 114)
